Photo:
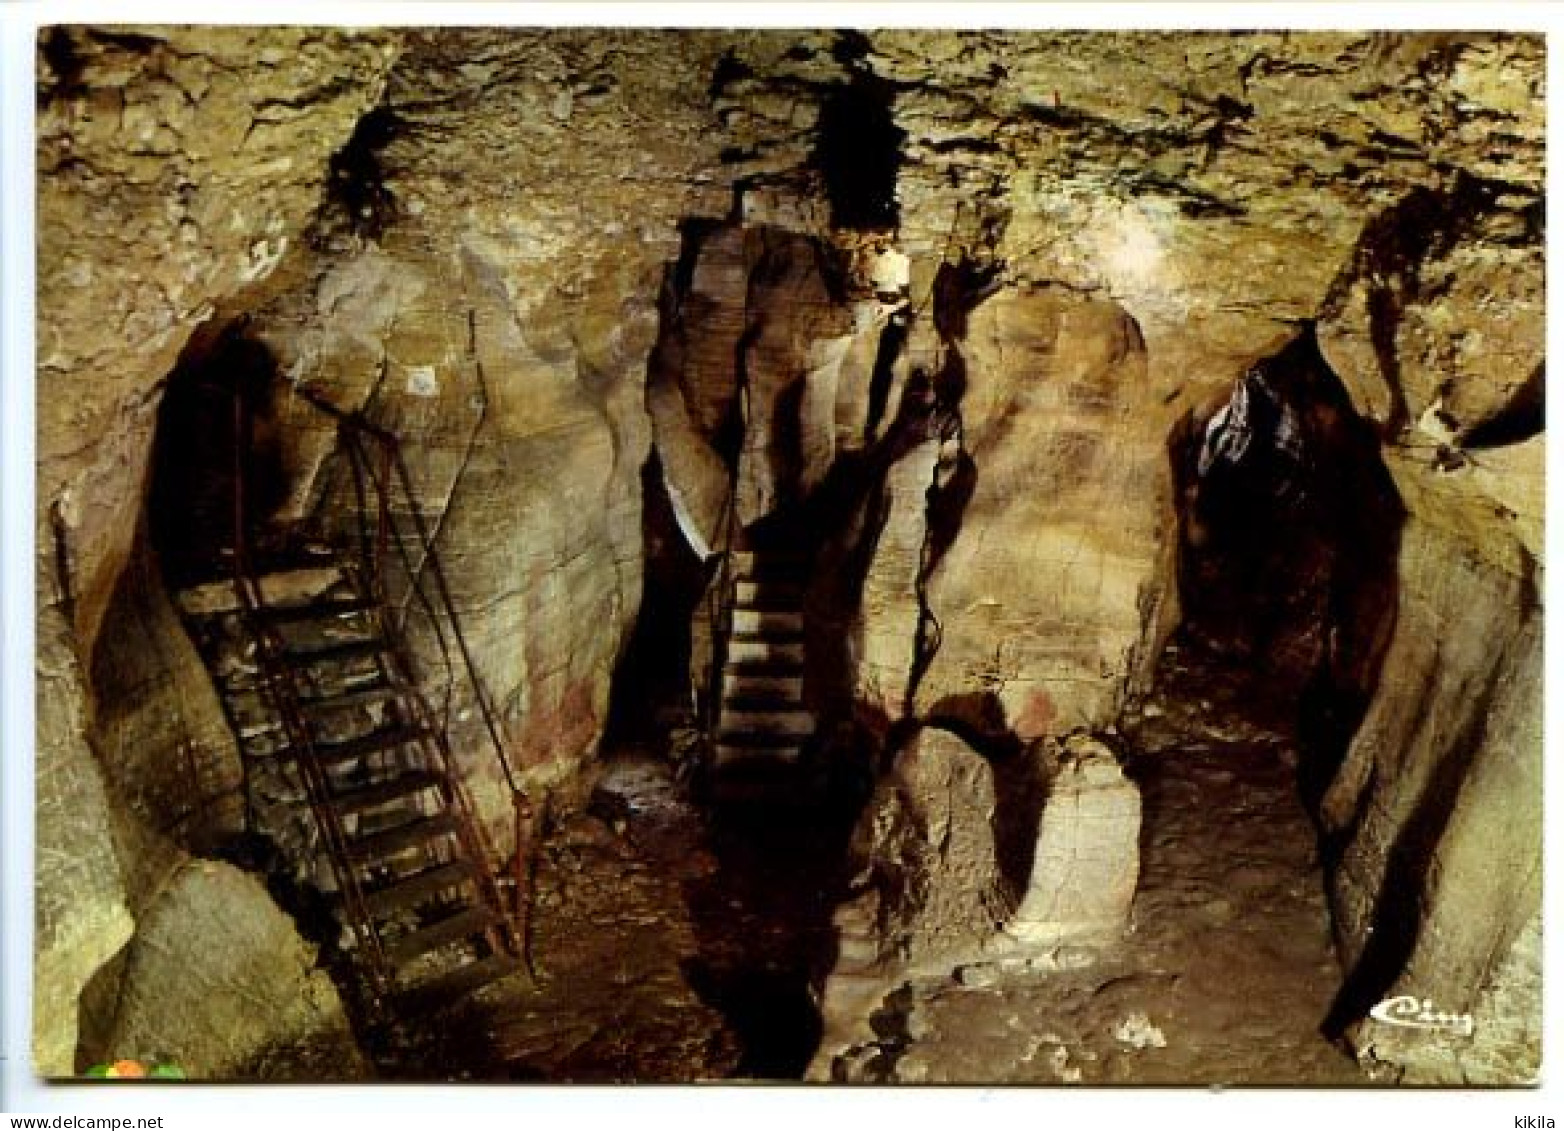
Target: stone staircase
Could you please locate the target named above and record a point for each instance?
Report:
(349, 777)
(762, 724)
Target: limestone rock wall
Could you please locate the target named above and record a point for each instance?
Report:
(499, 322)
(176, 169)
(1053, 593)
(1440, 340)
(1443, 779)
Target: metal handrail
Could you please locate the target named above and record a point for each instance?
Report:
(277, 683)
(392, 474)
(378, 469)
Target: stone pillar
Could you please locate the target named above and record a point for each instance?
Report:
(1088, 850)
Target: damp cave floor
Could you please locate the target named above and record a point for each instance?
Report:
(670, 951)
(666, 947)
(1229, 968)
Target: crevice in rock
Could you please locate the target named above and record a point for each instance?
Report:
(729, 70)
(650, 693)
(1289, 534)
(893, 340)
(190, 505)
(356, 195)
(63, 64)
(1523, 417)
(858, 150)
(59, 531)
(958, 288)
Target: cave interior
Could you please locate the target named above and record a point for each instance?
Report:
(601, 555)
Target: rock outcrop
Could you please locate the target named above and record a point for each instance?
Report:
(1439, 339)
(929, 866)
(218, 982)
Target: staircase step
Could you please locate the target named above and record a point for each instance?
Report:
(728, 756)
(747, 565)
(768, 622)
(464, 924)
(764, 703)
(315, 611)
(418, 888)
(769, 575)
(746, 649)
(785, 721)
(450, 987)
(750, 557)
(758, 739)
(334, 651)
(249, 732)
(767, 594)
(338, 754)
(777, 786)
(742, 685)
(288, 554)
(352, 697)
(768, 669)
(384, 792)
(384, 843)
(281, 587)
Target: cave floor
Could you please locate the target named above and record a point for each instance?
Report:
(1229, 968)
(666, 951)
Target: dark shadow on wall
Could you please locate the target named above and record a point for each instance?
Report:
(200, 448)
(763, 922)
(1289, 535)
(650, 690)
(858, 147)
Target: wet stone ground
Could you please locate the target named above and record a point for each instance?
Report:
(667, 951)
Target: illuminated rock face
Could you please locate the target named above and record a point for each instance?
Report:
(1088, 850)
(469, 235)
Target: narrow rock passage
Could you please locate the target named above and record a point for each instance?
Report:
(1231, 900)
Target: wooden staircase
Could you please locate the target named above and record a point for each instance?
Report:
(762, 726)
(348, 772)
